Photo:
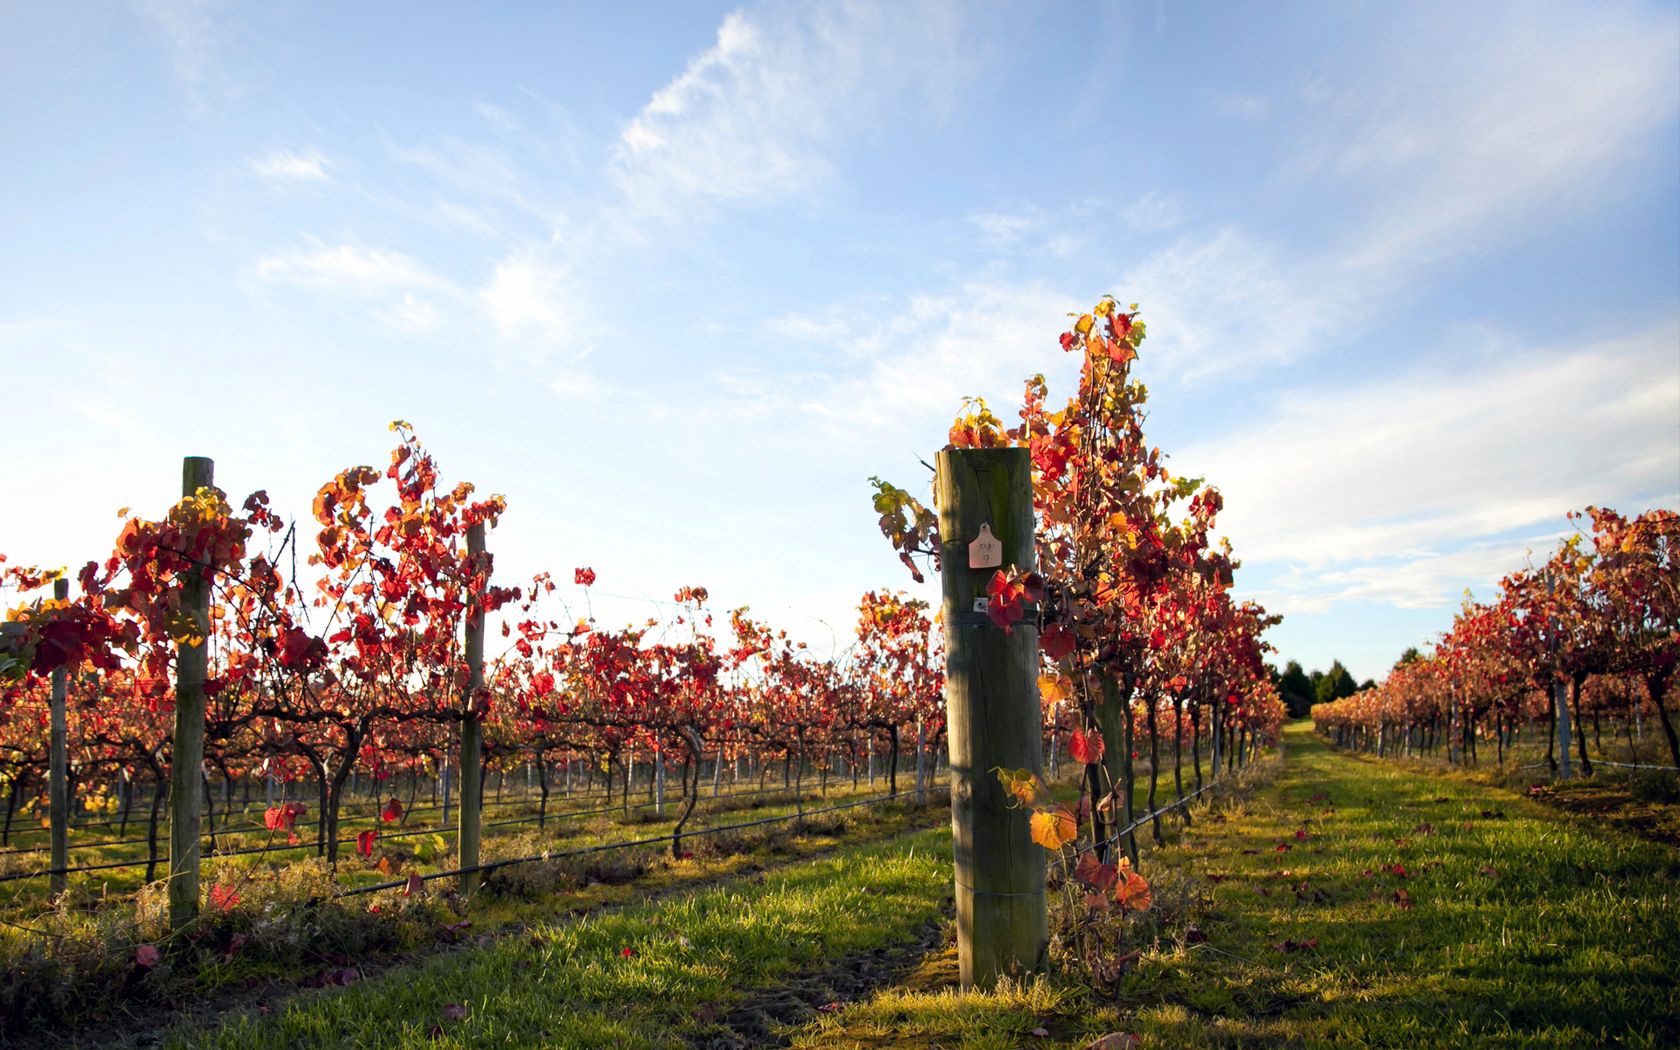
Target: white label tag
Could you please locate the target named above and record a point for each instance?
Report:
(985, 551)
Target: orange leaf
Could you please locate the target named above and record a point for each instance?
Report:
(1054, 828)
(1133, 891)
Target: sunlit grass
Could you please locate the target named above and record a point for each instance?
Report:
(650, 975)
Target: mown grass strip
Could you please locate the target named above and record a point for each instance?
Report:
(1346, 904)
(1415, 910)
(652, 975)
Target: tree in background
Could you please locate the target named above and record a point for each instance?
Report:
(1334, 684)
(1295, 688)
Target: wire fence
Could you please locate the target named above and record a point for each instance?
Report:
(653, 840)
(1113, 840)
(1606, 762)
(411, 833)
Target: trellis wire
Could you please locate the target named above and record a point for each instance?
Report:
(607, 847)
(447, 830)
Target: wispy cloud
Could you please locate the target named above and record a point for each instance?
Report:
(753, 118)
(1251, 107)
(346, 268)
(526, 296)
(1445, 159)
(194, 32)
(282, 165)
(1388, 480)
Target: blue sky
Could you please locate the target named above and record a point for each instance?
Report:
(678, 278)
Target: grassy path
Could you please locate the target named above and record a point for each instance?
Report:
(660, 974)
(1349, 903)
(1416, 910)
(1344, 903)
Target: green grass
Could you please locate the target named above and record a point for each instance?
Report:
(572, 983)
(1525, 926)
(86, 979)
(1521, 925)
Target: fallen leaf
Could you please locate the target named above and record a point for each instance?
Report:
(455, 1011)
(147, 955)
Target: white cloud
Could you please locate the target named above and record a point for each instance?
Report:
(347, 268)
(188, 27)
(1504, 125)
(292, 166)
(982, 339)
(414, 315)
(1251, 107)
(1397, 489)
(1156, 211)
(754, 117)
(1453, 157)
(528, 296)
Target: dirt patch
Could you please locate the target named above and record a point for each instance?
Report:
(769, 1017)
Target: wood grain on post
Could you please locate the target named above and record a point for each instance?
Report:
(993, 718)
(58, 772)
(187, 757)
(472, 730)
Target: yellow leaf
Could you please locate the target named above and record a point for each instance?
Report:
(1019, 783)
(1054, 828)
(1083, 325)
(1054, 688)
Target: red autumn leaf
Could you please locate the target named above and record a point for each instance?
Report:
(1133, 891)
(628, 953)
(1402, 898)
(365, 841)
(1086, 750)
(1301, 834)
(147, 955)
(393, 811)
(1056, 640)
(1095, 874)
(223, 898)
(1283, 847)
(584, 577)
(415, 884)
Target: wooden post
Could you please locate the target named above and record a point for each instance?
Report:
(58, 773)
(472, 731)
(186, 761)
(991, 696)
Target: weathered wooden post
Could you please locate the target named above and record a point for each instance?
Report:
(472, 730)
(186, 761)
(58, 773)
(991, 697)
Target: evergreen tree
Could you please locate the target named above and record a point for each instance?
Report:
(1296, 689)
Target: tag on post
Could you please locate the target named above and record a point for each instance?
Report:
(985, 551)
